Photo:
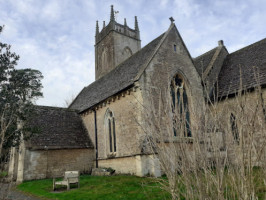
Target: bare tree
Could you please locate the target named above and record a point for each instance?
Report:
(218, 157)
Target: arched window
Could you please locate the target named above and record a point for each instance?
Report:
(110, 120)
(180, 108)
(234, 128)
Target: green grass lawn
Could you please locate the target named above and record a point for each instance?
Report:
(99, 187)
(130, 187)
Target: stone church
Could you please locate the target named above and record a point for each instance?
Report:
(107, 123)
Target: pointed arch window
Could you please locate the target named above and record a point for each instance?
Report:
(111, 131)
(180, 107)
(234, 128)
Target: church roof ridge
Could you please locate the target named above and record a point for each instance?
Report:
(155, 51)
(55, 108)
(249, 46)
(202, 61)
(207, 52)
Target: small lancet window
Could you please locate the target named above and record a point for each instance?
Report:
(180, 108)
(234, 128)
(175, 47)
(111, 132)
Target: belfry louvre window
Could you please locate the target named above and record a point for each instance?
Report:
(180, 108)
(111, 132)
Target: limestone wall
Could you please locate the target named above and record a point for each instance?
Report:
(120, 43)
(109, 52)
(250, 122)
(171, 59)
(139, 165)
(132, 113)
(104, 60)
(40, 164)
(123, 165)
(126, 108)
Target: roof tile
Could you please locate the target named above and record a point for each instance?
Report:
(247, 64)
(59, 128)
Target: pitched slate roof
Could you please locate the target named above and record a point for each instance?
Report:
(116, 80)
(201, 62)
(59, 128)
(251, 61)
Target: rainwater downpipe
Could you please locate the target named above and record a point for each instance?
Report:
(96, 136)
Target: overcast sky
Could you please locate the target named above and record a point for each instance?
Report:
(57, 36)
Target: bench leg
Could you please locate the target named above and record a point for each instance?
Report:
(68, 185)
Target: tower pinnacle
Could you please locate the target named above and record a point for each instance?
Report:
(136, 24)
(114, 43)
(97, 28)
(112, 18)
(125, 22)
(137, 28)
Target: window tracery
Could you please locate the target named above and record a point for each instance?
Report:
(180, 107)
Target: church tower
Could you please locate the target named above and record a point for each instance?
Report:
(114, 44)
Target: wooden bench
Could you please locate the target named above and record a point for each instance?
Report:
(71, 177)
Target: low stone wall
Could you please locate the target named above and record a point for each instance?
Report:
(39, 164)
(139, 165)
(124, 165)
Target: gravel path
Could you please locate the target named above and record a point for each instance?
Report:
(13, 193)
